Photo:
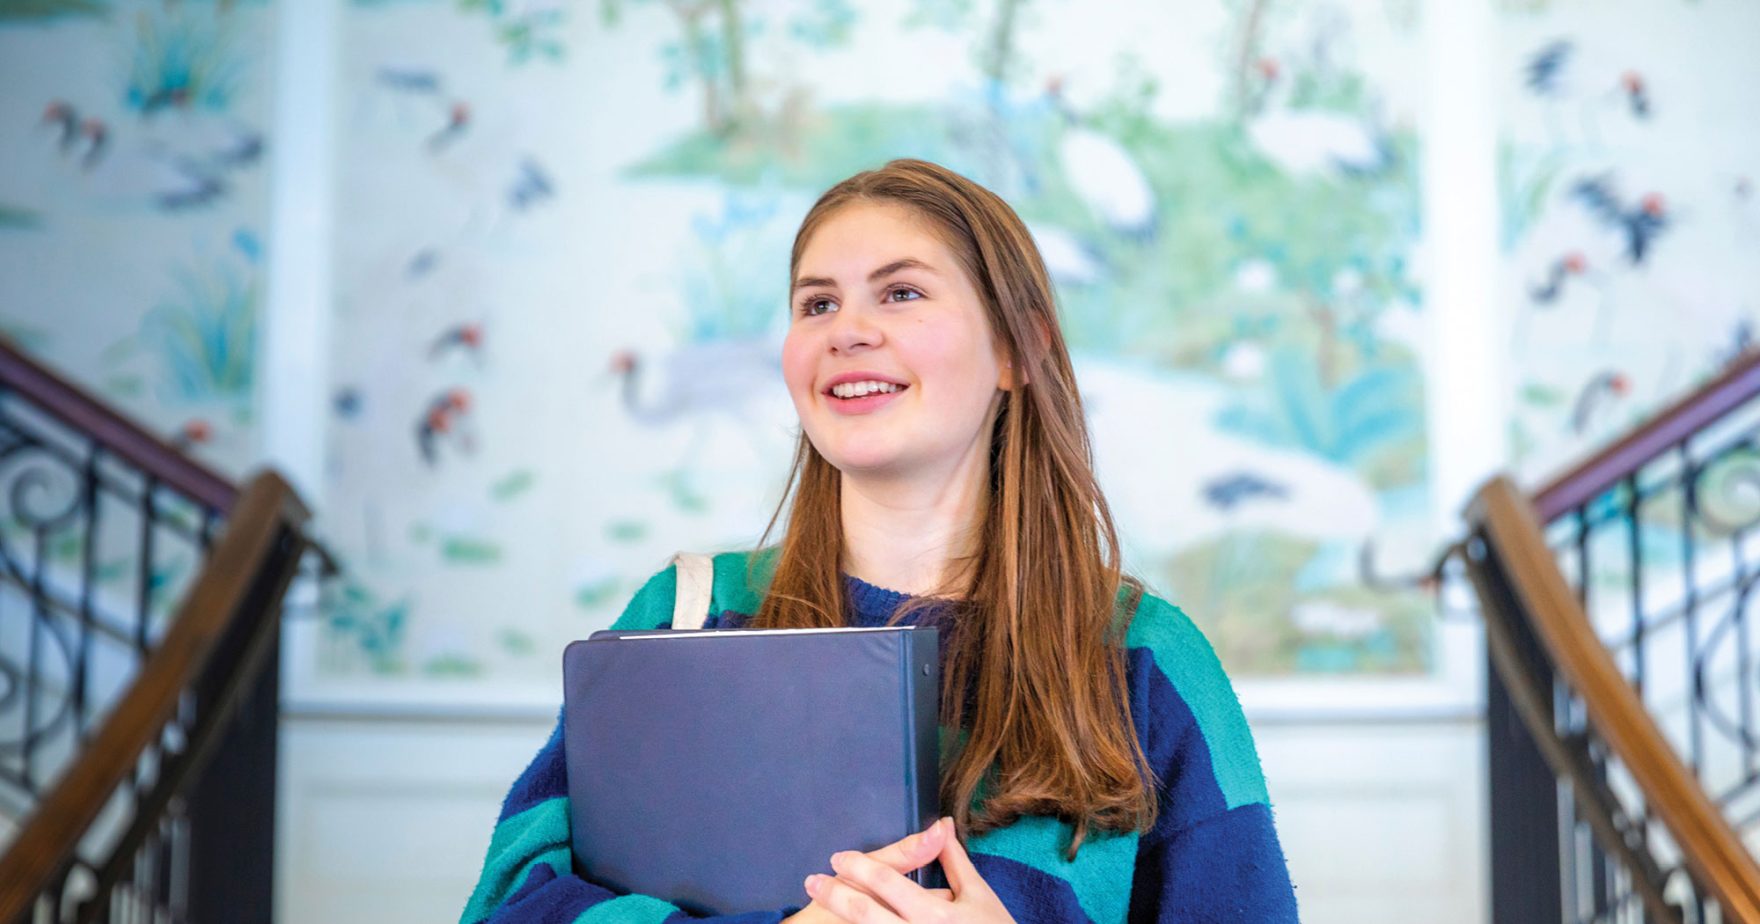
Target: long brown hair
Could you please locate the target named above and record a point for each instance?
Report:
(1035, 650)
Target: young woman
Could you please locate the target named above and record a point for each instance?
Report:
(1103, 771)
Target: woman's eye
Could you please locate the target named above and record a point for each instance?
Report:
(811, 306)
(913, 293)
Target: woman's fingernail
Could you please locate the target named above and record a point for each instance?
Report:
(813, 884)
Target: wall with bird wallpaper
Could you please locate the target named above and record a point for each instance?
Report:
(134, 202)
(1630, 220)
(562, 287)
(560, 256)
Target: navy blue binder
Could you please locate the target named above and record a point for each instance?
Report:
(716, 769)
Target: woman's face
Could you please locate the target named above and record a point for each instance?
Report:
(878, 299)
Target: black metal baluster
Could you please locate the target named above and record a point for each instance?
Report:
(88, 588)
(1636, 551)
(1596, 859)
(1690, 603)
(144, 593)
(34, 664)
(1739, 614)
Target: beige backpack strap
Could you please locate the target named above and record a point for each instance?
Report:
(696, 581)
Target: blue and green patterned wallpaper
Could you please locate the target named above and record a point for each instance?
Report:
(561, 295)
(560, 244)
(134, 205)
(1628, 160)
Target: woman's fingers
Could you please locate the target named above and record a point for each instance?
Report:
(961, 874)
(912, 852)
(911, 901)
(848, 902)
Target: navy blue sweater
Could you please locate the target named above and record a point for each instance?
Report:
(1211, 856)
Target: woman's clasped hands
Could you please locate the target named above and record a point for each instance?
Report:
(871, 888)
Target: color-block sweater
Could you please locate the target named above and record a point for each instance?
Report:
(1211, 856)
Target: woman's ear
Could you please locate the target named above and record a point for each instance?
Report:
(1009, 378)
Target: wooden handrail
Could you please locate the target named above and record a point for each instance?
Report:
(1711, 849)
(1665, 430)
(267, 512)
(85, 413)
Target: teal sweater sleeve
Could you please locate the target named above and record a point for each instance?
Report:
(528, 874)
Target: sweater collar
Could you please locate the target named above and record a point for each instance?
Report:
(868, 604)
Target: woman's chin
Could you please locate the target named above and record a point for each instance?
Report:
(865, 463)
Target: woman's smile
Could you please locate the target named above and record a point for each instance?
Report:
(861, 392)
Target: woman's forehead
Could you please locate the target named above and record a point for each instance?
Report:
(862, 237)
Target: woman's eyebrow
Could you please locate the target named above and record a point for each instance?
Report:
(807, 282)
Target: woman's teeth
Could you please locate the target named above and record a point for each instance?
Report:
(858, 389)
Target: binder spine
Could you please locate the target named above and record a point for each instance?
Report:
(922, 690)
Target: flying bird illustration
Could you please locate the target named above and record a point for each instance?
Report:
(1639, 224)
(531, 187)
(422, 263)
(408, 80)
(1543, 74)
(347, 402)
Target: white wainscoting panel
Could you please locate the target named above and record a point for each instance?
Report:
(386, 821)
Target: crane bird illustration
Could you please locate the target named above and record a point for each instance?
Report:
(1102, 173)
(1637, 96)
(689, 384)
(1563, 273)
(441, 420)
(713, 375)
(1314, 142)
(61, 116)
(1067, 258)
(1556, 75)
(193, 433)
(467, 337)
(168, 180)
(1548, 290)
(458, 120)
(1596, 399)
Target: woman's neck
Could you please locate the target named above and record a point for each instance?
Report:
(907, 536)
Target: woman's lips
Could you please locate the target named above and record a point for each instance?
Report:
(863, 405)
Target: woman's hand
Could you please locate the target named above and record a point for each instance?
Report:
(902, 856)
(870, 890)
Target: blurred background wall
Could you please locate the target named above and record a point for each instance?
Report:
(502, 285)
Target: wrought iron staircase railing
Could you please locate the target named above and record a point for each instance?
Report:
(1622, 725)
(140, 596)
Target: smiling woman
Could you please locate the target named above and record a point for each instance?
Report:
(1098, 766)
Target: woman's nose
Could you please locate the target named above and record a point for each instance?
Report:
(854, 330)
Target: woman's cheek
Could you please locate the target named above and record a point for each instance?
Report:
(797, 371)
